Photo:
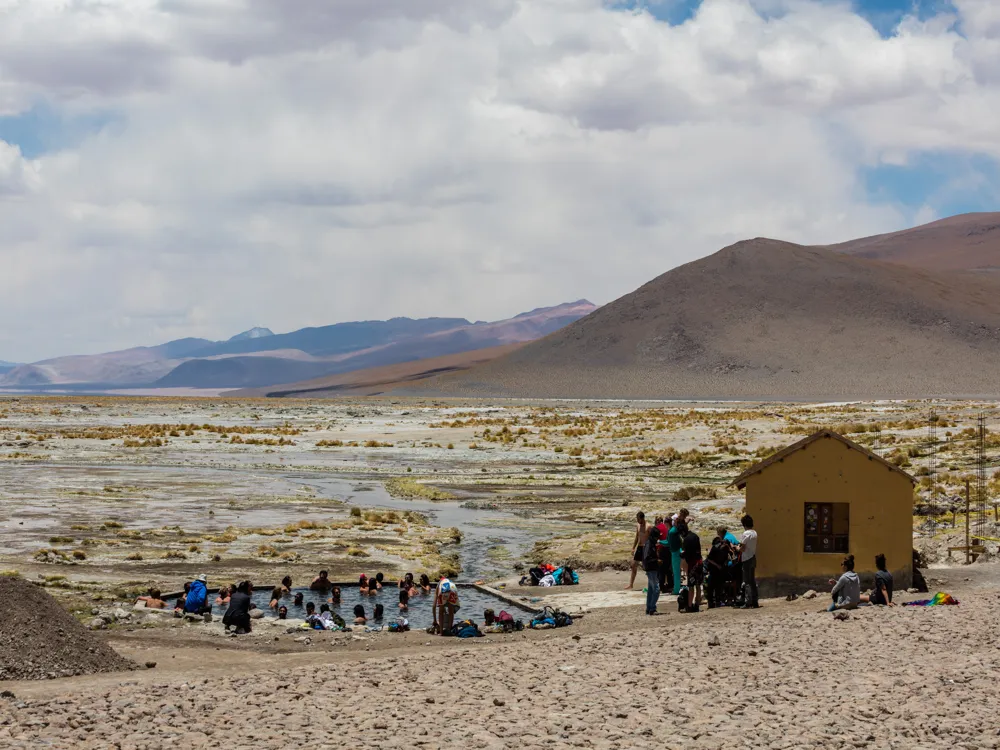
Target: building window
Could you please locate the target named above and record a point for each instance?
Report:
(827, 527)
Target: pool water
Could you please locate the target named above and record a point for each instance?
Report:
(472, 603)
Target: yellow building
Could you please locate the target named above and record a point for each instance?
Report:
(821, 498)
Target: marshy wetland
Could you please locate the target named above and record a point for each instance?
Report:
(103, 497)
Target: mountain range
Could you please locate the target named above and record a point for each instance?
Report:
(259, 357)
(904, 315)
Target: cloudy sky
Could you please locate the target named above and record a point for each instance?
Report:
(176, 168)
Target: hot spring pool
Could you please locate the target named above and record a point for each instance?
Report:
(472, 603)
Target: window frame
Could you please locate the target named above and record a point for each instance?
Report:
(828, 531)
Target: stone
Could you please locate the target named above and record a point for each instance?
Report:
(714, 641)
(150, 664)
(810, 594)
(841, 615)
(499, 702)
(97, 623)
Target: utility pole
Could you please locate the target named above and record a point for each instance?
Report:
(968, 551)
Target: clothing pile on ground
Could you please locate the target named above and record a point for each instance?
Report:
(939, 599)
(550, 618)
(549, 575)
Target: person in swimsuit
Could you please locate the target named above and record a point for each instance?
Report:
(425, 584)
(359, 615)
(641, 534)
(153, 600)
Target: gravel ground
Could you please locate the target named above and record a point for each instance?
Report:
(40, 640)
(786, 676)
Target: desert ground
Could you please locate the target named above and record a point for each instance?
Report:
(101, 498)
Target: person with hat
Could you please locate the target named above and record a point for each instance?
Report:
(196, 601)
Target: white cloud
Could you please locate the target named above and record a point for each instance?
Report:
(301, 163)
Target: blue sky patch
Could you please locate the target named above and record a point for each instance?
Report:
(43, 129)
(947, 182)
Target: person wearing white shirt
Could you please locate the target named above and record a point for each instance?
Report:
(748, 558)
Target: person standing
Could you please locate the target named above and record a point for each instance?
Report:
(695, 566)
(748, 561)
(651, 564)
(638, 544)
(717, 564)
(663, 556)
(675, 544)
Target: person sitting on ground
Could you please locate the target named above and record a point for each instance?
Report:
(695, 566)
(238, 614)
(297, 600)
(425, 584)
(321, 582)
(717, 568)
(153, 600)
(286, 584)
(379, 578)
(335, 596)
(359, 615)
(222, 600)
(196, 601)
(275, 597)
(638, 544)
(882, 592)
(847, 589)
(404, 600)
(282, 612)
(445, 605)
(379, 613)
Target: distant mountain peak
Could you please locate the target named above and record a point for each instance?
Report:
(254, 333)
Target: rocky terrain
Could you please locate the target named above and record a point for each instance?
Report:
(785, 676)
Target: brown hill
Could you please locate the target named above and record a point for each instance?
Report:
(968, 242)
(771, 320)
(378, 380)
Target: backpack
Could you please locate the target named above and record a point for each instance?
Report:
(562, 619)
(683, 599)
(505, 620)
(338, 620)
(465, 629)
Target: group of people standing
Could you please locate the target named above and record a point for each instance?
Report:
(670, 553)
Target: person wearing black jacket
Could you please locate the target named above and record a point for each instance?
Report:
(691, 551)
(717, 568)
(238, 614)
(651, 565)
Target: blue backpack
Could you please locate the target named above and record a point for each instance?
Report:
(465, 629)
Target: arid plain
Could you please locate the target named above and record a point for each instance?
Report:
(104, 497)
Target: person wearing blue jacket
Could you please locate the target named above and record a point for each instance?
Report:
(196, 601)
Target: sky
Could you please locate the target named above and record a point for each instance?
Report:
(174, 168)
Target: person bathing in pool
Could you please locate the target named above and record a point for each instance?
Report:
(379, 578)
(275, 597)
(359, 615)
(379, 613)
(286, 585)
(404, 601)
(335, 596)
(225, 593)
(372, 587)
(425, 584)
(406, 582)
(297, 601)
(153, 599)
(321, 582)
